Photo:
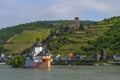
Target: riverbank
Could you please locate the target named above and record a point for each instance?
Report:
(86, 63)
(70, 63)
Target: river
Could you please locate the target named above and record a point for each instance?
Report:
(61, 73)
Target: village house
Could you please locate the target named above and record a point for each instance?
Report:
(117, 57)
(78, 57)
(110, 57)
(75, 57)
(96, 57)
(64, 58)
(56, 57)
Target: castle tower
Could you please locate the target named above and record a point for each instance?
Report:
(76, 22)
(103, 54)
(75, 25)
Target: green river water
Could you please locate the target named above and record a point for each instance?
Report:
(61, 73)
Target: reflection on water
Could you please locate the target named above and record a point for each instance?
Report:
(61, 73)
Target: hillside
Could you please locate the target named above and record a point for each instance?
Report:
(11, 34)
(28, 36)
(76, 41)
(88, 40)
(111, 40)
(7, 33)
(104, 34)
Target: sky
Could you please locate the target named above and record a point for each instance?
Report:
(14, 12)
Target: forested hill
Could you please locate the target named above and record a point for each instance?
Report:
(104, 34)
(29, 32)
(89, 40)
(7, 33)
(111, 40)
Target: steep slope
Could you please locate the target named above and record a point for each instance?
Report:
(11, 34)
(28, 36)
(103, 34)
(77, 41)
(7, 33)
(111, 40)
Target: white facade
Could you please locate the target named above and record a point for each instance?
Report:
(28, 62)
(37, 50)
(37, 59)
(117, 57)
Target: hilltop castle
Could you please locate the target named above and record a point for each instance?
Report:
(75, 25)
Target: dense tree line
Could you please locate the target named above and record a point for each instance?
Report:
(110, 40)
(7, 33)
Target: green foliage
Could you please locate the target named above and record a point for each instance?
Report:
(28, 36)
(111, 40)
(100, 34)
(7, 33)
(114, 19)
(2, 49)
(27, 50)
(77, 41)
(17, 61)
(106, 34)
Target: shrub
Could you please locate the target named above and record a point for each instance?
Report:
(17, 61)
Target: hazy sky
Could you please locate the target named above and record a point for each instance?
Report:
(13, 12)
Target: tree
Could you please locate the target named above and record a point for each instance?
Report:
(17, 61)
